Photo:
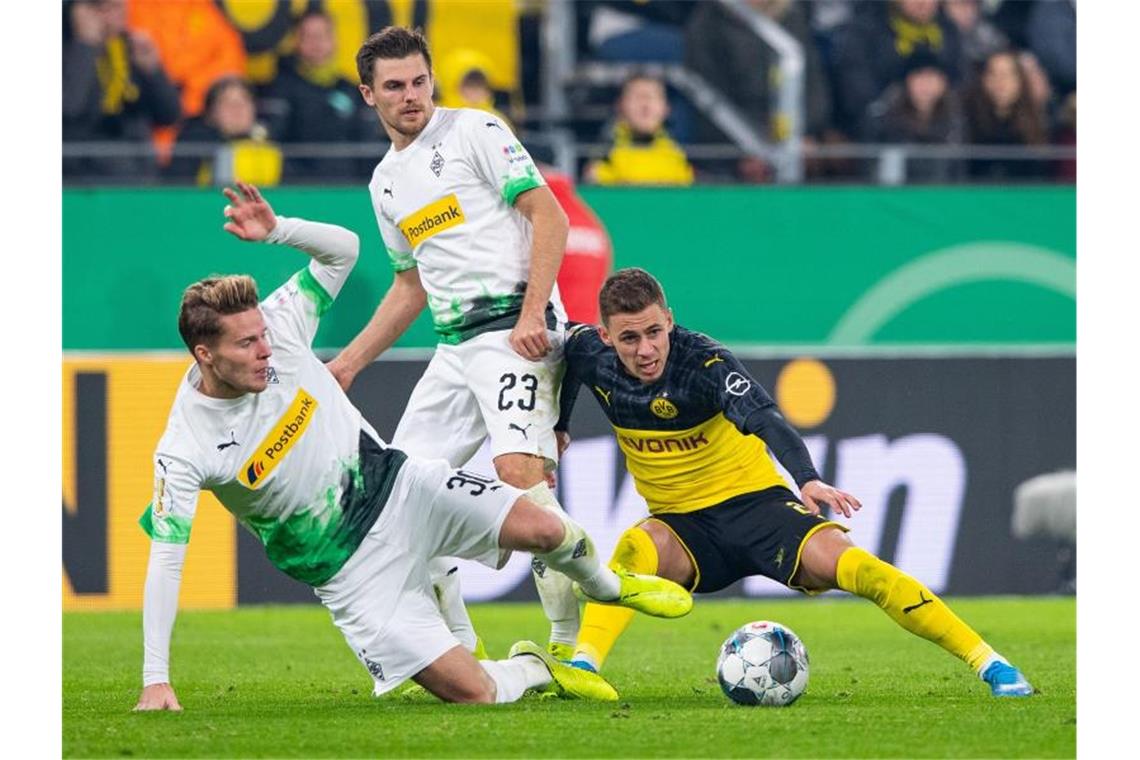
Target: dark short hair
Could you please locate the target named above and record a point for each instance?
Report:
(628, 291)
(391, 42)
(219, 86)
(207, 300)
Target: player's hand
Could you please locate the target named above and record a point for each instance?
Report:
(562, 439)
(343, 373)
(250, 216)
(529, 338)
(815, 492)
(158, 696)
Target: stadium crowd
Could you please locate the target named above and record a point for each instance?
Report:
(209, 91)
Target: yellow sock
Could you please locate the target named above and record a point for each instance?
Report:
(602, 624)
(910, 604)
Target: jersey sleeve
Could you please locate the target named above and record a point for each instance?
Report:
(498, 157)
(577, 367)
(395, 244)
(747, 405)
(168, 517)
(295, 309)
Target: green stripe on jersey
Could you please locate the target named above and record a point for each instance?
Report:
(312, 544)
(487, 313)
(166, 530)
(513, 188)
(316, 293)
(401, 261)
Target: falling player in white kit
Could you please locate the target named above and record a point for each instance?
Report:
(259, 421)
(473, 233)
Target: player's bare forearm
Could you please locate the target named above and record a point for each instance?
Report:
(550, 228)
(400, 306)
(548, 245)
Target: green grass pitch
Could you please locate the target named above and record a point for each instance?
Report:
(280, 682)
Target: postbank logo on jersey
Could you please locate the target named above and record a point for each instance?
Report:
(281, 438)
(432, 219)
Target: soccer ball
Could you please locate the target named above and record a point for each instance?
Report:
(763, 663)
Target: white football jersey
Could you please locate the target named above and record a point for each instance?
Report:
(296, 464)
(445, 204)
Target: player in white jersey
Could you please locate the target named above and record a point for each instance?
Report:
(473, 233)
(259, 421)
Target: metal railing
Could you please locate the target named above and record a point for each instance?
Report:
(877, 163)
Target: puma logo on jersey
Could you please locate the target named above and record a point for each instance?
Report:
(231, 442)
(432, 219)
(494, 124)
(388, 192)
(716, 358)
(513, 426)
(604, 394)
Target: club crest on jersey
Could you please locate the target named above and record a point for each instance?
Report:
(280, 440)
(663, 408)
(437, 164)
(432, 219)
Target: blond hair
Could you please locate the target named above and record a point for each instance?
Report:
(207, 300)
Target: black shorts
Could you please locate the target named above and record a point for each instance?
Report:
(758, 533)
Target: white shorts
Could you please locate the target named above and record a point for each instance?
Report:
(481, 388)
(382, 599)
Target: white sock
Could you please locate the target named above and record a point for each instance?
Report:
(554, 591)
(514, 676)
(445, 580)
(584, 656)
(577, 558)
(995, 657)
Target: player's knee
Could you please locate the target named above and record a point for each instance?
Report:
(548, 533)
(819, 562)
(531, 528)
(519, 470)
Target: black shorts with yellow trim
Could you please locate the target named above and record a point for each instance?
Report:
(758, 533)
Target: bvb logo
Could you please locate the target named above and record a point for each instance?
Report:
(663, 408)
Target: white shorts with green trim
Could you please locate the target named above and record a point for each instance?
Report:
(382, 599)
(482, 389)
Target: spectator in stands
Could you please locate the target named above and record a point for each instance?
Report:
(643, 31)
(638, 31)
(239, 148)
(870, 53)
(1040, 89)
(732, 58)
(922, 109)
(318, 105)
(978, 36)
(1052, 35)
(114, 88)
(643, 153)
(467, 84)
(195, 41)
(589, 252)
(1000, 111)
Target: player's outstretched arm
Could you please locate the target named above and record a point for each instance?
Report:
(158, 696)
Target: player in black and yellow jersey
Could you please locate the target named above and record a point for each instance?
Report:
(696, 428)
